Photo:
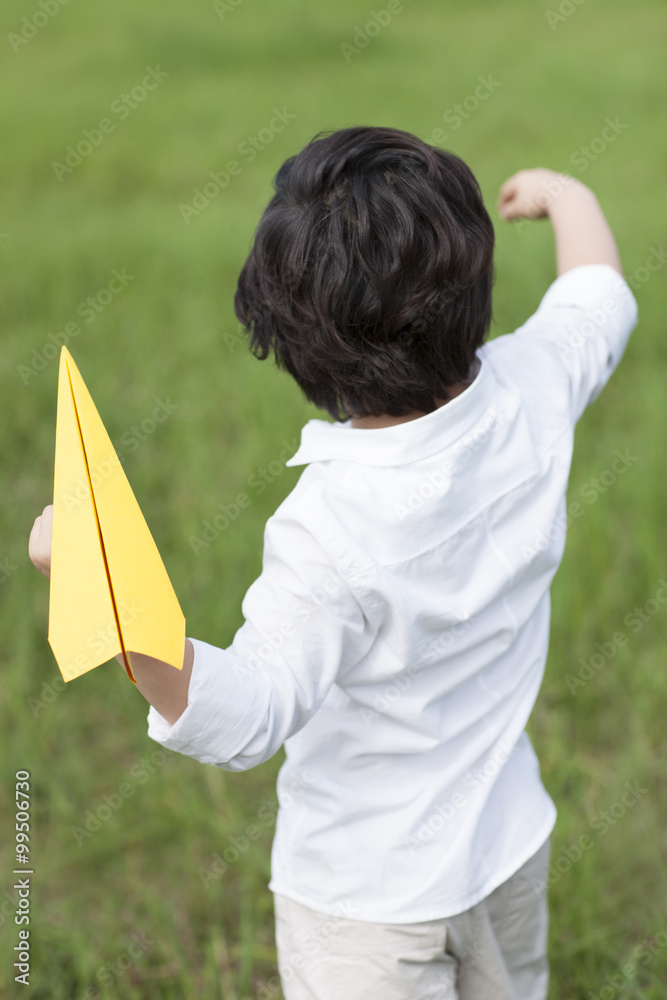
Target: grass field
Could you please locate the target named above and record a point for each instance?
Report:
(128, 910)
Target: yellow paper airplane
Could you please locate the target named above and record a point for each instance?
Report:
(109, 590)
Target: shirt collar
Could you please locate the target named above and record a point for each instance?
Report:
(398, 444)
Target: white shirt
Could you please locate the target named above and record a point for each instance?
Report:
(396, 638)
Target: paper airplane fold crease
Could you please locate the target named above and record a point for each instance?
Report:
(109, 590)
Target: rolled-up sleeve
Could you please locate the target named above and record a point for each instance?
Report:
(303, 627)
(586, 316)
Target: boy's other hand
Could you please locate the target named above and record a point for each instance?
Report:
(530, 194)
(39, 545)
(581, 231)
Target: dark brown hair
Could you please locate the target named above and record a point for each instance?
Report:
(370, 273)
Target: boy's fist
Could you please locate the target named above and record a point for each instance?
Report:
(529, 194)
(39, 545)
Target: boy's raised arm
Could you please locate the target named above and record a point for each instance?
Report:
(581, 231)
(587, 314)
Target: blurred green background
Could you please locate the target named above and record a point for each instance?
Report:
(169, 336)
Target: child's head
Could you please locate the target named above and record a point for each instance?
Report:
(370, 273)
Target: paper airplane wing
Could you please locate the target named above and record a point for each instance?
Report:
(109, 591)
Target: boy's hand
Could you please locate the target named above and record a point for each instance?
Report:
(39, 545)
(580, 228)
(530, 194)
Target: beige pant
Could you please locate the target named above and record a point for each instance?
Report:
(494, 951)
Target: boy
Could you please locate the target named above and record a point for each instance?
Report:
(396, 638)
